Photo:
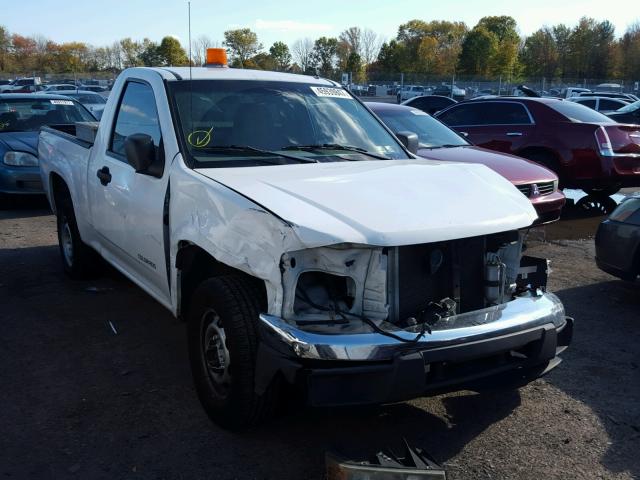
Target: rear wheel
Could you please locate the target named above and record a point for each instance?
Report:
(223, 344)
(78, 259)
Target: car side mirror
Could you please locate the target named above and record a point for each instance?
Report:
(140, 152)
(409, 140)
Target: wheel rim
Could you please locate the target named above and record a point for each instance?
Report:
(215, 353)
(67, 242)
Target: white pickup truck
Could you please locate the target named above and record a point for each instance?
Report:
(304, 245)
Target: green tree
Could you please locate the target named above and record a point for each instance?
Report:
(504, 61)
(629, 52)
(478, 51)
(171, 52)
(242, 44)
(5, 48)
(540, 54)
(324, 55)
(281, 56)
(261, 61)
(391, 58)
(150, 53)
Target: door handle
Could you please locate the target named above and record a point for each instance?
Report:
(104, 176)
(514, 134)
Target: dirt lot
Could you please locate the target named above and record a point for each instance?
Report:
(80, 401)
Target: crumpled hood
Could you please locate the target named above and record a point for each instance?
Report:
(384, 203)
(19, 142)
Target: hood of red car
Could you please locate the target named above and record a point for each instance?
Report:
(516, 169)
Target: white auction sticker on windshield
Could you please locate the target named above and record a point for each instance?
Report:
(331, 92)
(61, 102)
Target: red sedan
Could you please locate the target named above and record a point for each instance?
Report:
(586, 149)
(438, 142)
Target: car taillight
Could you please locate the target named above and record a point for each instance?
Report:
(604, 143)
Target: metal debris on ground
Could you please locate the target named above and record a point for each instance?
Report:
(413, 464)
(113, 328)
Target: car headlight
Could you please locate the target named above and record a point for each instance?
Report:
(20, 159)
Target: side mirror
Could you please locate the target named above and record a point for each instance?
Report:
(140, 151)
(409, 140)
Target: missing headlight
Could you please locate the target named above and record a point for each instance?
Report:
(320, 292)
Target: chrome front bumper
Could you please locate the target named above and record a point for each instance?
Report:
(519, 315)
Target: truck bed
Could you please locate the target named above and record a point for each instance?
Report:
(83, 133)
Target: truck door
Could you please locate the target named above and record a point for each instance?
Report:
(128, 206)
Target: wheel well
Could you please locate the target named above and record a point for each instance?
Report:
(552, 161)
(195, 265)
(59, 189)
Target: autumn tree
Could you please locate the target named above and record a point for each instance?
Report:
(242, 44)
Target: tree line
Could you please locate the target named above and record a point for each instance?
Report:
(492, 48)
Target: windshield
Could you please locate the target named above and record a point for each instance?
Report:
(431, 133)
(579, 113)
(28, 114)
(632, 107)
(86, 98)
(274, 116)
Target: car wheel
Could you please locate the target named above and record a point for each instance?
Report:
(223, 344)
(79, 260)
(596, 205)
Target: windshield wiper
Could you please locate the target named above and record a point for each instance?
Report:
(335, 146)
(249, 148)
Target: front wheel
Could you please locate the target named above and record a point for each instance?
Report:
(223, 344)
(79, 260)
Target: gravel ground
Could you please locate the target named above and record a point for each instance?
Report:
(80, 401)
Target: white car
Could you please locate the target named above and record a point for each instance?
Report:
(300, 240)
(601, 104)
(411, 91)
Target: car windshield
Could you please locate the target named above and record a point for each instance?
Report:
(276, 117)
(431, 133)
(579, 113)
(632, 107)
(29, 114)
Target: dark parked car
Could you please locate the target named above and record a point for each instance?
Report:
(618, 241)
(627, 114)
(21, 117)
(587, 149)
(430, 103)
(436, 141)
(93, 102)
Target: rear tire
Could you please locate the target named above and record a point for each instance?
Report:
(223, 344)
(79, 260)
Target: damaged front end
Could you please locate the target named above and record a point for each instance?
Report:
(366, 324)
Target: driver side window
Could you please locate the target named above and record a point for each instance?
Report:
(137, 113)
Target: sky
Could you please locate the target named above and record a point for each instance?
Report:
(110, 20)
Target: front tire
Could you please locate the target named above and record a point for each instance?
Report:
(223, 344)
(79, 260)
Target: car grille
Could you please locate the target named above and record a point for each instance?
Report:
(544, 188)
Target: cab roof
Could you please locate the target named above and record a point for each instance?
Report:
(221, 73)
